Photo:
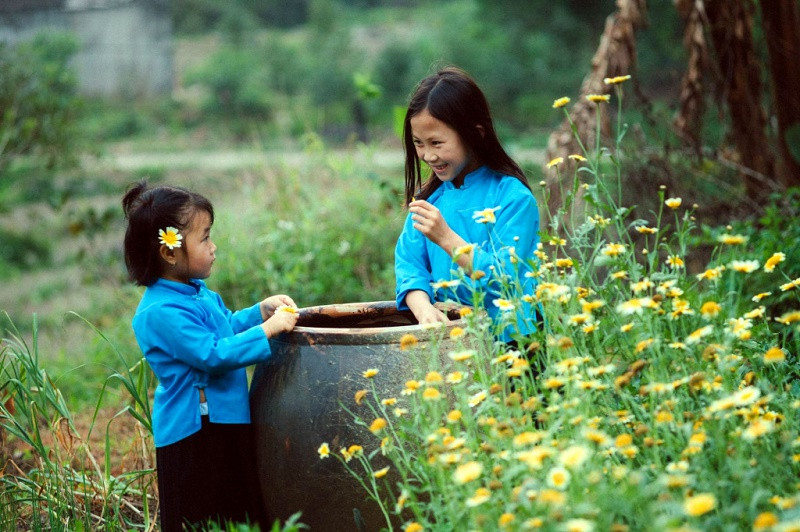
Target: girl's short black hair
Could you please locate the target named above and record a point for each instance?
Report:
(147, 210)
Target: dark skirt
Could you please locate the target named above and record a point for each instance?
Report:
(211, 475)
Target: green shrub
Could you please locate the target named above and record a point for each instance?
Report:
(326, 238)
(38, 101)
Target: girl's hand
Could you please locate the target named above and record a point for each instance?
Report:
(279, 322)
(423, 310)
(271, 303)
(429, 221)
(430, 314)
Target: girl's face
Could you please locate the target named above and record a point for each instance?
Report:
(441, 148)
(193, 260)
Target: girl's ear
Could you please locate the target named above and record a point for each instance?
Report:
(481, 130)
(167, 254)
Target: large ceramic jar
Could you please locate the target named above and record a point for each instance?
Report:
(297, 400)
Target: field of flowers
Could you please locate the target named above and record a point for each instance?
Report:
(651, 399)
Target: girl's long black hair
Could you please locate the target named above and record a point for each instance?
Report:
(452, 96)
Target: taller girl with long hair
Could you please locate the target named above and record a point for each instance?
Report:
(473, 222)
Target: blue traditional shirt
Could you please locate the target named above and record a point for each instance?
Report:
(192, 341)
(502, 249)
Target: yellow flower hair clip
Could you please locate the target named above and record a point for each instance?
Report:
(170, 237)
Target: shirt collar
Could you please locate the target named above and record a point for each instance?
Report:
(469, 179)
(190, 289)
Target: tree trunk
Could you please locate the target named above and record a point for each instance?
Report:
(730, 27)
(615, 56)
(689, 120)
(781, 23)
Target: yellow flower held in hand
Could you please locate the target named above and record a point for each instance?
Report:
(286, 308)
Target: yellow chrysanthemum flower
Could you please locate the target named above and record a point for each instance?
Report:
(577, 157)
(710, 309)
(431, 394)
(696, 335)
(561, 102)
(711, 274)
(505, 520)
(170, 237)
(613, 249)
(580, 525)
(380, 473)
(598, 98)
(616, 80)
(368, 374)
(558, 478)
(359, 395)
(789, 317)
(504, 304)
(433, 377)
(451, 283)
(377, 425)
(744, 266)
(324, 451)
(773, 261)
(485, 216)
(460, 356)
(635, 305)
(699, 504)
(408, 341)
(413, 526)
(732, 240)
(463, 250)
(481, 496)
(468, 472)
(764, 521)
(790, 285)
(477, 399)
(675, 262)
(643, 229)
(673, 203)
(555, 162)
(774, 355)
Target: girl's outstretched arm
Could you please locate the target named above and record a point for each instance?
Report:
(422, 308)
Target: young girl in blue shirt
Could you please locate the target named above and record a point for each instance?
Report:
(198, 350)
(473, 210)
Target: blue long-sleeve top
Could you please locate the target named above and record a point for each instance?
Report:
(419, 262)
(192, 341)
